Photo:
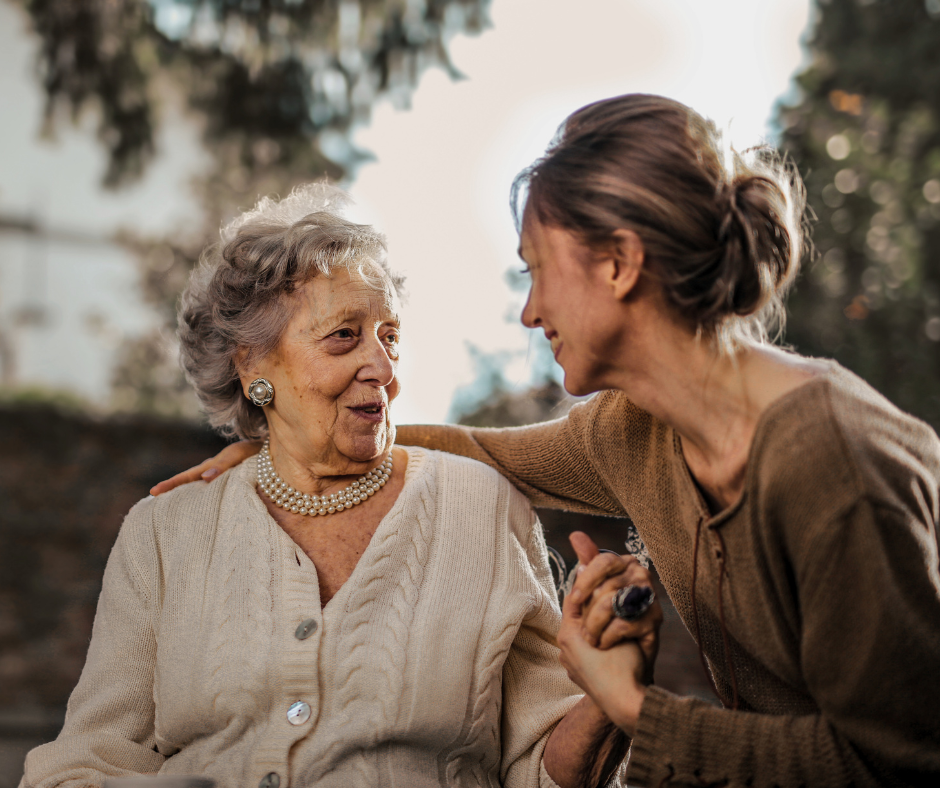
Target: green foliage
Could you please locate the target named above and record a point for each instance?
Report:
(866, 136)
(270, 77)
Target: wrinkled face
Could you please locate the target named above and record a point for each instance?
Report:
(334, 373)
(570, 302)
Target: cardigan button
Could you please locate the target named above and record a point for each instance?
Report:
(270, 780)
(306, 628)
(298, 713)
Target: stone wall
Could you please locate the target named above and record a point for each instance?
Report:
(66, 482)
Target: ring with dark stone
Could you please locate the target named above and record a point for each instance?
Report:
(632, 602)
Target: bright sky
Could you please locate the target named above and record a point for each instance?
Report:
(439, 186)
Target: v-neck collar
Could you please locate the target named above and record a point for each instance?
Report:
(720, 518)
(335, 607)
(416, 461)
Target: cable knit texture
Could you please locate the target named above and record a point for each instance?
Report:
(434, 665)
(826, 575)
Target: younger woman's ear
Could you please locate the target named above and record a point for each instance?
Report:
(628, 256)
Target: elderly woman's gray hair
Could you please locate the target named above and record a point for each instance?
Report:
(237, 299)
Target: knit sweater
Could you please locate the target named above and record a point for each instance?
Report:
(434, 665)
(816, 596)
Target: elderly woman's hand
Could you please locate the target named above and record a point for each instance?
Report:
(232, 455)
(600, 576)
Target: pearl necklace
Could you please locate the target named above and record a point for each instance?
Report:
(297, 502)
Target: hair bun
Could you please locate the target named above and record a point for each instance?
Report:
(756, 258)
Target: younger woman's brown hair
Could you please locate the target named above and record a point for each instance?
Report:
(722, 231)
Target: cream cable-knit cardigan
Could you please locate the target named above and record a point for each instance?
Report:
(434, 665)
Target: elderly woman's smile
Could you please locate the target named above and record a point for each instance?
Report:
(335, 373)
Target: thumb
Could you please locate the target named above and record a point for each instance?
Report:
(584, 547)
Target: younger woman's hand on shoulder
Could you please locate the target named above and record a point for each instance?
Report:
(232, 455)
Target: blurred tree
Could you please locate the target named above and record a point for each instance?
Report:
(279, 86)
(271, 78)
(491, 401)
(866, 136)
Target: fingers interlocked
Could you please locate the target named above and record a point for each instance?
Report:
(599, 579)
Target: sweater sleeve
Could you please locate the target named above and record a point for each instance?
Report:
(109, 724)
(537, 692)
(549, 462)
(870, 652)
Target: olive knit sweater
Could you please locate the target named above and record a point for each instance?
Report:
(816, 598)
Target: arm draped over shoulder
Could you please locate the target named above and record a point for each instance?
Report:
(548, 462)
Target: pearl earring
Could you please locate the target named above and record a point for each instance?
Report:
(260, 392)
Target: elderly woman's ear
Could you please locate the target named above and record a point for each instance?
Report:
(245, 367)
(255, 386)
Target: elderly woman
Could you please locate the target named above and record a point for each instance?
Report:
(335, 612)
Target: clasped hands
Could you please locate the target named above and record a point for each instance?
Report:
(609, 658)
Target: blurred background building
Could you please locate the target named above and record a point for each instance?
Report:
(130, 129)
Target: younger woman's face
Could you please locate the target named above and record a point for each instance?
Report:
(573, 303)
